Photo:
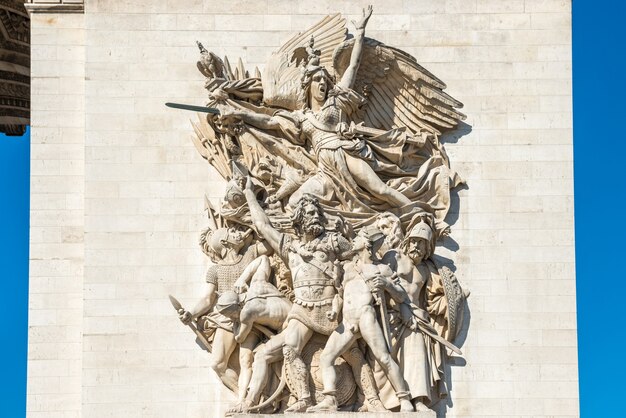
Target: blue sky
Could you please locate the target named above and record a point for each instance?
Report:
(599, 194)
(599, 150)
(14, 189)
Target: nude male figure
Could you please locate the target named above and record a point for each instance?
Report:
(365, 282)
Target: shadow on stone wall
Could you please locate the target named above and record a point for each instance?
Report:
(451, 244)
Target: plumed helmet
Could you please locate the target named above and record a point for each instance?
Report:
(372, 234)
(421, 230)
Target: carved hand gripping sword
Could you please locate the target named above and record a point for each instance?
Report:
(180, 310)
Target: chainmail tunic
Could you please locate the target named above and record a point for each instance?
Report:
(224, 275)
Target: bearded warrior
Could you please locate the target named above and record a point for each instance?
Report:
(337, 135)
(312, 257)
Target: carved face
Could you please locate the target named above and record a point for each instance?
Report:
(229, 238)
(389, 225)
(416, 249)
(236, 238)
(312, 220)
(319, 87)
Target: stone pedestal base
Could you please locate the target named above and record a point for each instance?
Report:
(422, 414)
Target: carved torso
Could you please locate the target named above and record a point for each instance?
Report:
(412, 277)
(320, 127)
(357, 292)
(313, 269)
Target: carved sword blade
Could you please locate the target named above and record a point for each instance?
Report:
(175, 303)
(193, 108)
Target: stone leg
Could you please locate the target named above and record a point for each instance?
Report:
(364, 378)
(373, 336)
(271, 352)
(365, 177)
(338, 342)
(296, 336)
(223, 346)
(246, 357)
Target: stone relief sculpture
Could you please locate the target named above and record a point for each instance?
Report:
(337, 192)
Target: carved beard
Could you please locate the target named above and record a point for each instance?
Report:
(417, 256)
(313, 228)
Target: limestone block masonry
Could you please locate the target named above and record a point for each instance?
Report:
(117, 186)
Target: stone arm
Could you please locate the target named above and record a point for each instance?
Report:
(349, 76)
(259, 265)
(258, 120)
(343, 248)
(263, 248)
(392, 286)
(203, 306)
(261, 221)
(335, 307)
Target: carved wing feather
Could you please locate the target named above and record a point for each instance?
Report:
(281, 76)
(400, 92)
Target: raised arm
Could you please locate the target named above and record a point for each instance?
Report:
(347, 80)
(261, 221)
(203, 306)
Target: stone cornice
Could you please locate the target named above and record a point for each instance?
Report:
(61, 6)
(14, 67)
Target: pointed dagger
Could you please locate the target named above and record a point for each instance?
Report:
(180, 310)
(193, 108)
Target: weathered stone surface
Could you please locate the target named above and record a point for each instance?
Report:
(421, 414)
(137, 197)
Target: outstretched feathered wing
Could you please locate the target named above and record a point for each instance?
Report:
(400, 92)
(281, 76)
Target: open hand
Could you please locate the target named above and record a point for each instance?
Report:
(367, 13)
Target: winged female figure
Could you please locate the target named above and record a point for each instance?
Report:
(323, 122)
(354, 125)
(359, 152)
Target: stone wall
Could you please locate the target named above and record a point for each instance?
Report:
(57, 216)
(108, 343)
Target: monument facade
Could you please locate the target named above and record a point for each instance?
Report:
(14, 68)
(330, 154)
(347, 210)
